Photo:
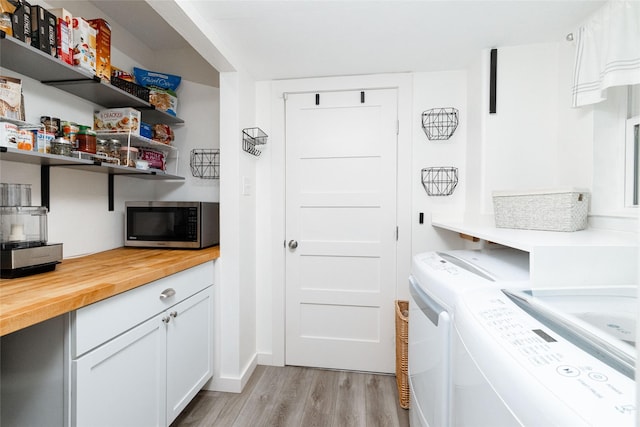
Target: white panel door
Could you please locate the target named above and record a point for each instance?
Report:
(341, 213)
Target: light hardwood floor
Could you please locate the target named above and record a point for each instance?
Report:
(300, 397)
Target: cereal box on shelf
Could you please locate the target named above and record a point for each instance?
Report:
(145, 130)
(84, 44)
(44, 30)
(65, 34)
(43, 141)
(103, 48)
(117, 120)
(21, 22)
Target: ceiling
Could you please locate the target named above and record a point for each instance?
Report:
(295, 39)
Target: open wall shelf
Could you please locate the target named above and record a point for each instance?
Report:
(29, 61)
(47, 161)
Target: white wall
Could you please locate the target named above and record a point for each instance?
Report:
(521, 140)
(437, 90)
(236, 312)
(201, 130)
(536, 140)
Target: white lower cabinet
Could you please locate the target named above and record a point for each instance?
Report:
(122, 382)
(189, 351)
(145, 373)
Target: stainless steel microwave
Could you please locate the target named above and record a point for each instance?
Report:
(188, 225)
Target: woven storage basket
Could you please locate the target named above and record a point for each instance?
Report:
(549, 210)
(402, 352)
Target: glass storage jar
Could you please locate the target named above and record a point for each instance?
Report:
(86, 139)
(61, 147)
(114, 149)
(128, 156)
(102, 147)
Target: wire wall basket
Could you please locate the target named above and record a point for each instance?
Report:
(252, 138)
(205, 163)
(440, 181)
(439, 124)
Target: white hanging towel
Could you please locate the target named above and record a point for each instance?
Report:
(607, 51)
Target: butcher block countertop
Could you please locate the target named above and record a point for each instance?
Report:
(78, 282)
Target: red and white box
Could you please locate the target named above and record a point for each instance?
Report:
(65, 34)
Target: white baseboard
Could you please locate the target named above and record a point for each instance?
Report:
(232, 384)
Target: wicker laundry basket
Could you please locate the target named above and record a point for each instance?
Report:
(549, 210)
(402, 352)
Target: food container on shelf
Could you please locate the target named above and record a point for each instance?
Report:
(61, 146)
(102, 147)
(86, 139)
(114, 148)
(128, 156)
(70, 131)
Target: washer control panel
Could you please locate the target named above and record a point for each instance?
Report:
(599, 393)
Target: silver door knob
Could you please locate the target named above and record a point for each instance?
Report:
(293, 244)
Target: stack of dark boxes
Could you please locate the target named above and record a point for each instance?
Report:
(44, 30)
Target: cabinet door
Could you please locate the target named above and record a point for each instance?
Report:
(122, 383)
(189, 350)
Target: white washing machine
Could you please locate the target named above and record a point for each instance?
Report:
(437, 278)
(545, 358)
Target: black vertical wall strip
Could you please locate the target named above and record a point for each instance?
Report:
(493, 76)
(44, 186)
(362, 97)
(110, 192)
(317, 99)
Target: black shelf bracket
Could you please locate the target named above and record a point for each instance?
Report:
(93, 79)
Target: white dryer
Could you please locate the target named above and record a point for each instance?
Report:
(437, 278)
(545, 358)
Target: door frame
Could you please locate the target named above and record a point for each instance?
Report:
(275, 221)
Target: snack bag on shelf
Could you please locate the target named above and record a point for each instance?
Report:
(155, 158)
(162, 88)
(7, 8)
(11, 98)
(162, 133)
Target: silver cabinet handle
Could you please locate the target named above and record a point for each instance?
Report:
(173, 314)
(166, 319)
(293, 244)
(167, 293)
